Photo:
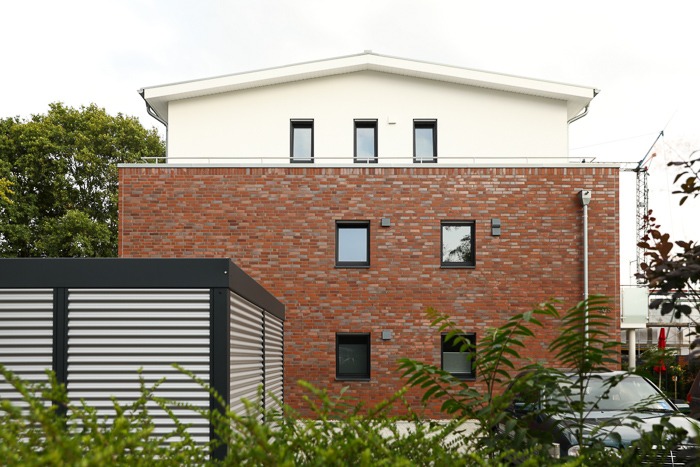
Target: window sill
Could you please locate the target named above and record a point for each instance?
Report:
(463, 377)
(351, 266)
(337, 378)
(365, 160)
(458, 266)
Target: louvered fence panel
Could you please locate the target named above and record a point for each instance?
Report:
(112, 333)
(26, 337)
(274, 362)
(246, 374)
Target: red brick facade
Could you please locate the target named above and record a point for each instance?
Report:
(278, 225)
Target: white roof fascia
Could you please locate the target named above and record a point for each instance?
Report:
(577, 97)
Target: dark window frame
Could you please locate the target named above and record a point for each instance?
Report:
(471, 263)
(354, 224)
(452, 346)
(300, 123)
(349, 337)
(366, 123)
(425, 123)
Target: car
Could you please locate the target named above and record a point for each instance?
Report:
(611, 408)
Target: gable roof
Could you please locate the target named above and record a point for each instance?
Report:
(158, 97)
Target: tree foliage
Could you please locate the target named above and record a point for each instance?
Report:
(50, 429)
(689, 186)
(583, 346)
(58, 180)
(674, 272)
(5, 191)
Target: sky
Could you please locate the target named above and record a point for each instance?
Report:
(641, 55)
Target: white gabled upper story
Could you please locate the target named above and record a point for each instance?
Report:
(367, 108)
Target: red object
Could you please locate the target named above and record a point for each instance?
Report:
(662, 345)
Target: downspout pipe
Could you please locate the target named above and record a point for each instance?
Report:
(585, 198)
(578, 116)
(152, 112)
(584, 112)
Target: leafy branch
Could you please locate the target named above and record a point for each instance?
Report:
(690, 186)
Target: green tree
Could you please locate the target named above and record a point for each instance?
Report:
(673, 267)
(58, 180)
(5, 191)
(673, 271)
(689, 186)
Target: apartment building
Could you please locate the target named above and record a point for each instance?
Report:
(362, 190)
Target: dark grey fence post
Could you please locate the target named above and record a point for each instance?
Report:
(220, 357)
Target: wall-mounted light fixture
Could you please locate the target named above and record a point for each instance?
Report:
(495, 227)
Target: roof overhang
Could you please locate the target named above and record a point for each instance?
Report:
(158, 97)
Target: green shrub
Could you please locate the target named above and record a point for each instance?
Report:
(49, 429)
(582, 347)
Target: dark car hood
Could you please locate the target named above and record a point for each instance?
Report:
(601, 423)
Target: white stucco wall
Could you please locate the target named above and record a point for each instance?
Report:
(475, 125)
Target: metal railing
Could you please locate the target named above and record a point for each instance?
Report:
(381, 161)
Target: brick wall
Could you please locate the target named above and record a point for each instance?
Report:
(278, 225)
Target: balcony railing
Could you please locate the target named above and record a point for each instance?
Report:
(382, 161)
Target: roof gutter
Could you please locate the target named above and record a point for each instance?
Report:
(151, 111)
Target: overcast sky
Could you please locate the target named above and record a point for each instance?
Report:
(643, 57)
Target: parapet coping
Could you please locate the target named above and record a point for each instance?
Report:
(585, 165)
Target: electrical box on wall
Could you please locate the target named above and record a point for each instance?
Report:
(495, 227)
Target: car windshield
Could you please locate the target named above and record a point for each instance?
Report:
(606, 393)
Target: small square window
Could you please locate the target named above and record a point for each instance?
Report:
(352, 356)
(365, 141)
(352, 244)
(457, 244)
(424, 141)
(302, 141)
(457, 354)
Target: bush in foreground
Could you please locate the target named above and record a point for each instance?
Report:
(49, 429)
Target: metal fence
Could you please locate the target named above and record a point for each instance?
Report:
(102, 325)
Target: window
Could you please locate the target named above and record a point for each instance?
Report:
(352, 356)
(425, 141)
(365, 141)
(458, 354)
(352, 244)
(457, 244)
(302, 141)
